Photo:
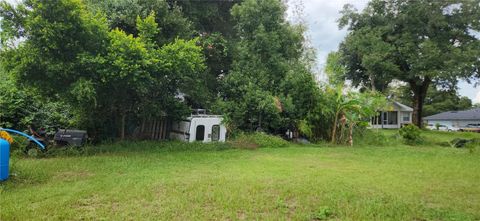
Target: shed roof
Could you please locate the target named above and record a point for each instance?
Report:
(472, 114)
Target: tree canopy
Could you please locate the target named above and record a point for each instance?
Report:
(108, 75)
(437, 99)
(106, 66)
(267, 76)
(419, 42)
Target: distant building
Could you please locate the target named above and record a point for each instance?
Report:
(395, 116)
(458, 119)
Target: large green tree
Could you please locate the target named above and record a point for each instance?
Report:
(213, 23)
(23, 106)
(270, 86)
(419, 42)
(208, 16)
(109, 76)
(123, 14)
(53, 37)
(334, 69)
(210, 21)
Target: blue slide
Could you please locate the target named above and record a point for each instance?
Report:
(25, 135)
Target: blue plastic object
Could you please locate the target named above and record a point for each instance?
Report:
(25, 135)
(4, 159)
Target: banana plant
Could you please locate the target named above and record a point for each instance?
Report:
(344, 103)
(354, 108)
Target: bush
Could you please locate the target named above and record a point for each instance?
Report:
(465, 143)
(411, 134)
(19, 143)
(257, 140)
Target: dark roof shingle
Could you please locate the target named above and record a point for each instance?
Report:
(473, 114)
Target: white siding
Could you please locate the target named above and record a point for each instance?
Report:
(187, 130)
(208, 123)
(386, 126)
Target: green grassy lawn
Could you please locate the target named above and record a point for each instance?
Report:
(156, 181)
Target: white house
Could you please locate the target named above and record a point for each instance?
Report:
(395, 116)
(199, 127)
(458, 119)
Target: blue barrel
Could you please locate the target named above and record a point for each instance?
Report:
(4, 159)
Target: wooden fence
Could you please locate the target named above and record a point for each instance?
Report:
(154, 129)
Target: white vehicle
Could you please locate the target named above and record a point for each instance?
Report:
(454, 129)
(199, 127)
(442, 127)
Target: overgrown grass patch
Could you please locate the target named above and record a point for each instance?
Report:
(392, 137)
(257, 140)
(180, 181)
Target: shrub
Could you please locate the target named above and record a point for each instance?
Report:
(257, 140)
(469, 144)
(458, 142)
(19, 143)
(411, 134)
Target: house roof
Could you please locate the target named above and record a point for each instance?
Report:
(472, 114)
(401, 107)
(397, 106)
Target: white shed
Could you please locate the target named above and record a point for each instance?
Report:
(199, 127)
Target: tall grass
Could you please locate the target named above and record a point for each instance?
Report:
(383, 180)
(257, 140)
(181, 181)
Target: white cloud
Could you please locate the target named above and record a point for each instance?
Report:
(477, 97)
(321, 18)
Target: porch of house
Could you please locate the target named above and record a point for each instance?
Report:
(391, 119)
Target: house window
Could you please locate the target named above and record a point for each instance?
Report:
(215, 132)
(385, 118)
(200, 134)
(392, 118)
(406, 117)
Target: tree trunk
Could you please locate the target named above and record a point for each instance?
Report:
(259, 122)
(372, 82)
(350, 134)
(334, 129)
(419, 94)
(342, 126)
(122, 125)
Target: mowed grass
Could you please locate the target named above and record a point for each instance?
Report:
(173, 181)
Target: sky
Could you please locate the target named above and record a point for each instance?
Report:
(321, 18)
